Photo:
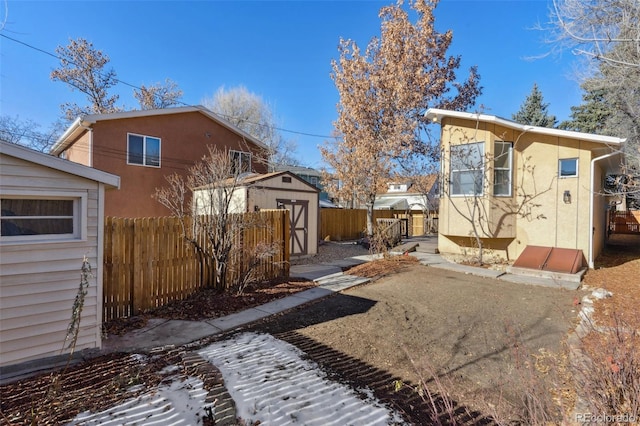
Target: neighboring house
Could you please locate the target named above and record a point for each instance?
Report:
(276, 190)
(312, 176)
(143, 147)
(522, 185)
(52, 216)
(409, 195)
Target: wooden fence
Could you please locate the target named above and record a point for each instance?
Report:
(349, 224)
(147, 263)
(624, 222)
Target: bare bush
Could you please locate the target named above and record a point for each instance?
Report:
(210, 222)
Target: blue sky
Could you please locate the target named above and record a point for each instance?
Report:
(280, 50)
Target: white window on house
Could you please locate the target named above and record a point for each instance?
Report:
(466, 176)
(240, 162)
(32, 218)
(502, 168)
(313, 180)
(568, 167)
(143, 150)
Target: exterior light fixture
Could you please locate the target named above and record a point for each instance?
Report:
(566, 197)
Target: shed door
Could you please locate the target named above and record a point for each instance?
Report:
(299, 216)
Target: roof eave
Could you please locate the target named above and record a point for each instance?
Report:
(79, 124)
(436, 115)
(93, 118)
(57, 163)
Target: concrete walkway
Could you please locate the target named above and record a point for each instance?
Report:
(330, 279)
(163, 332)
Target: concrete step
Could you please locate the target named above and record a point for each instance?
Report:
(427, 248)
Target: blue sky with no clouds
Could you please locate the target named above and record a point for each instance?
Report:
(281, 50)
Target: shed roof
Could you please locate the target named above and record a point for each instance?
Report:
(46, 160)
(436, 115)
(82, 123)
(254, 178)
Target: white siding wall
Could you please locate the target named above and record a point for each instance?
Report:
(39, 280)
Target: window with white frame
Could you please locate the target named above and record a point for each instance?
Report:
(143, 150)
(34, 218)
(466, 169)
(240, 161)
(502, 168)
(568, 167)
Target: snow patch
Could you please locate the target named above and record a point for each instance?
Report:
(271, 383)
(181, 402)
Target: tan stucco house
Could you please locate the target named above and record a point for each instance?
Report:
(142, 147)
(520, 185)
(52, 218)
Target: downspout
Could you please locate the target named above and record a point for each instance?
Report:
(592, 202)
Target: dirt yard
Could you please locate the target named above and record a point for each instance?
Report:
(428, 322)
(468, 334)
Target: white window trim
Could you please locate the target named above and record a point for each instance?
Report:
(510, 169)
(481, 194)
(80, 210)
(144, 146)
(577, 160)
(234, 151)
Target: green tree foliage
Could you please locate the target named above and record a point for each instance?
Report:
(534, 111)
(592, 115)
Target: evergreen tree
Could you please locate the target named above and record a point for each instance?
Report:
(534, 111)
(592, 115)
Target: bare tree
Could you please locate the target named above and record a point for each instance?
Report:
(159, 95)
(249, 112)
(607, 33)
(211, 222)
(594, 29)
(384, 92)
(83, 68)
(26, 133)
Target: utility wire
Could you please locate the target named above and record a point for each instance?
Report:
(226, 117)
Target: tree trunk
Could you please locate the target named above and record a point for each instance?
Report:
(369, 219)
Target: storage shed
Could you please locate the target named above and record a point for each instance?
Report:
(51, 219)
(280, 190)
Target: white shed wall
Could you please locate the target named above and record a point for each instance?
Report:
(39, 280)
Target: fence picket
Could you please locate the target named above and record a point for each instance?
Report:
(147, 263)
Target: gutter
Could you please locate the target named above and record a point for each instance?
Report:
(591, 203)
(60, 145)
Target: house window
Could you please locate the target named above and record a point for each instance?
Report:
(467, 169)
(143, 150)
(568, 167)
(240, 162)
(39, 218)
(314, 180)
(502, 168)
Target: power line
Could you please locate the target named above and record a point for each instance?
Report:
(226, 117)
